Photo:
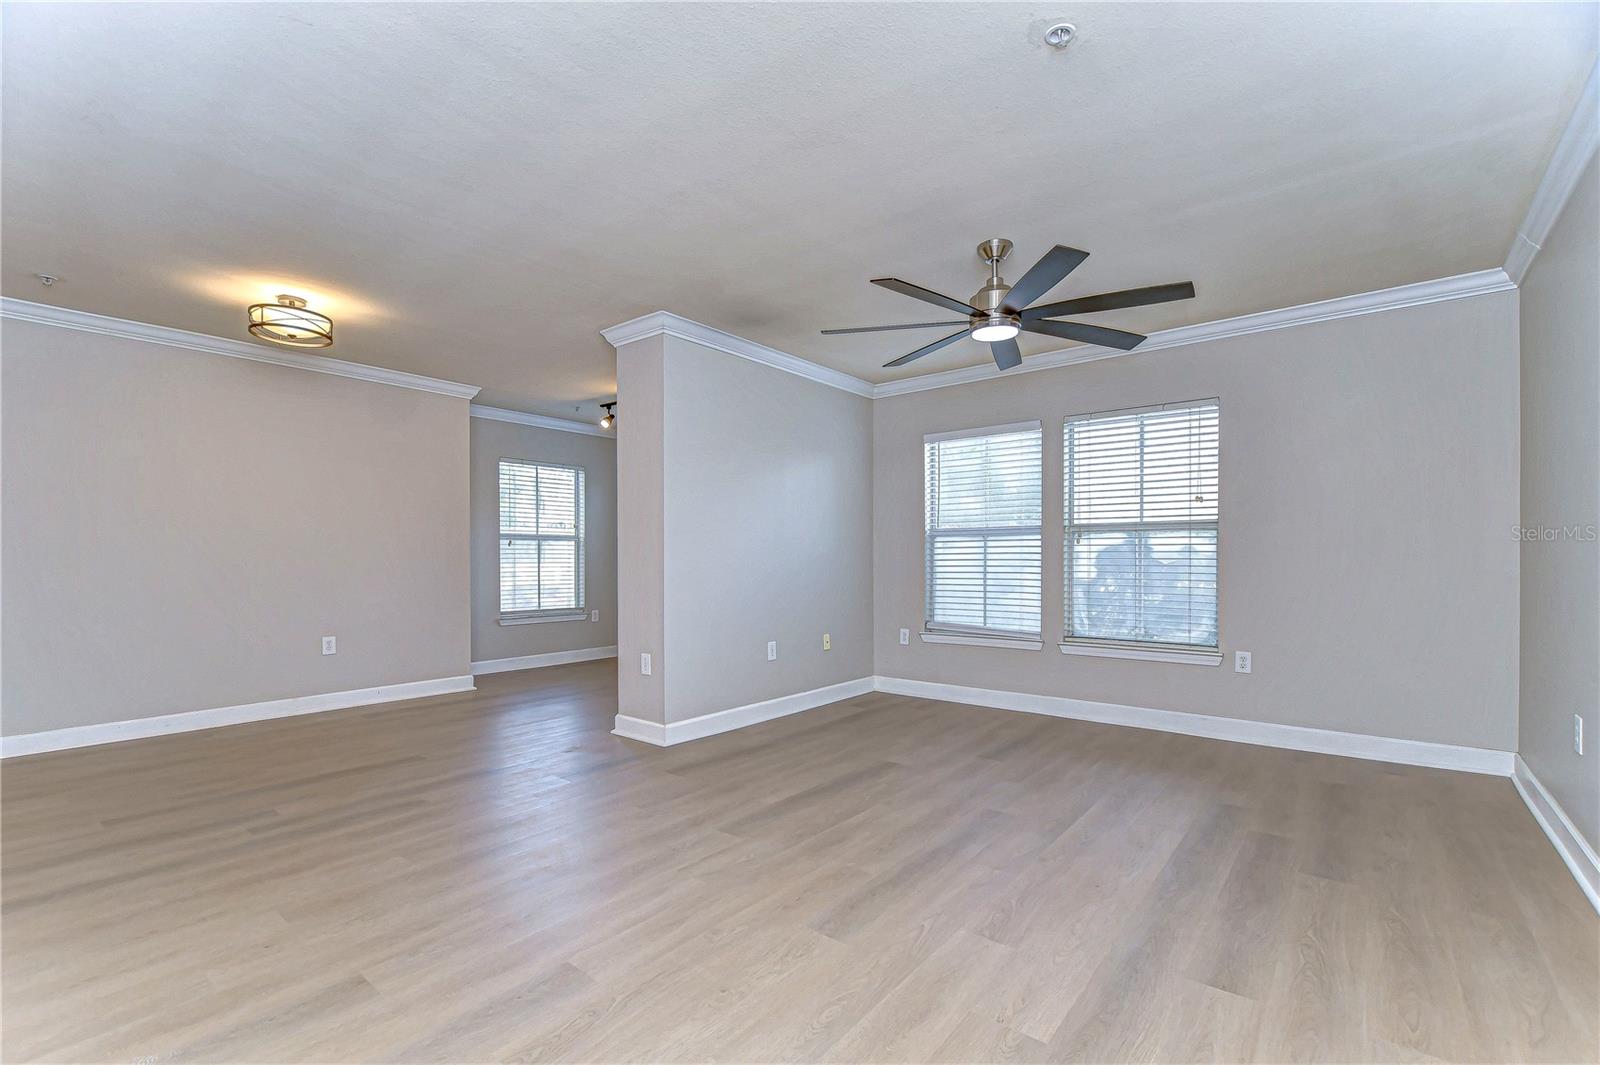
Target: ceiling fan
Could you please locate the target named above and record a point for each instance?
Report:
(998, 311)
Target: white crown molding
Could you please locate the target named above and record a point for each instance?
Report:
(1577, 145)
(1447, 288)
(165, 724)
(83, 321)
(549, 658)
(1461, 286)
(666, 323)
(1575, 851)
(1236, 730)
(538, 421)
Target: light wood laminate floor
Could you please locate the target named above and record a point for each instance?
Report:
(493, 876)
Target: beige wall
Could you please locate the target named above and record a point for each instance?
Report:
(182, 529)
(1560, 673)
(493, 441)
(764, 523)
(1369, 485)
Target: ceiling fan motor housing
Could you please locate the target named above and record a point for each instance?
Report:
(992, 296)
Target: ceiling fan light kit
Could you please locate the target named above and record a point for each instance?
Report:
(998, 312)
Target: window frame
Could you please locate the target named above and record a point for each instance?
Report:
(1148, 650)
(952, 633)
(579, 540)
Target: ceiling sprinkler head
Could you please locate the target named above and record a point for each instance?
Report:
(1060, 35)
(47, 279)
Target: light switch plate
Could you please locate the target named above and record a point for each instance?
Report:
(905, 637)
(1577, 733)
(772, 650)
(827, 642)
(644, 664)
(594, 615)
(330, 645)
(1241, 661)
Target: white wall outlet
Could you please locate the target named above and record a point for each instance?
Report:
(594, 615)
(644, 664)
(1241, 661)
(330, 645)
(905, 637)
(827, 642)
(772, 650)
(1577, 733)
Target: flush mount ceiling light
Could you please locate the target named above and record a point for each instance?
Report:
(610, 417)
(289, 322)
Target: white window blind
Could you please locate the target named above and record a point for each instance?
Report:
(983, 531)
(541, 539)
(1141, 525)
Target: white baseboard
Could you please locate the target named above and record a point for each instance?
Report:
(1261, 733)
(551, 658)
(139, 728)
(1569, 842)
(637, 728)
(696, 728)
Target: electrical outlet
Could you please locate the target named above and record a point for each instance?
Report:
(772, 650)
(1241, 661)
(1577, 733)
(330, 645)
(905, 637)
(594, 616)
(827, 642)
(644, 664)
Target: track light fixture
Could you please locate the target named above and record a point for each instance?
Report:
(610, 417)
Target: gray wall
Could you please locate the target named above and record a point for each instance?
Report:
(181, 530)
(1369, 484)
(493, 441)
(756, 487)
(641, 523)
(1561, 487)
(768, 532)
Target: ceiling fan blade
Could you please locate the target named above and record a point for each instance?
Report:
(917, 292)
(1111, 301)
(1043, 276)
(1089, 334)
(1006, 353)
(925, 349)
(885, 328)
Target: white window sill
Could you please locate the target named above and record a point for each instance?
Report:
(1144, 654)
(1015, 643)
(543, 619)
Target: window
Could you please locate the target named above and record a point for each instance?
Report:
(1141, 526)
(541, 541)
(983, 531)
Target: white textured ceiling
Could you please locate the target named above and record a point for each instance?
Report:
(474, 191)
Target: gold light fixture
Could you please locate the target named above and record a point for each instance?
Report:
(290, 322)
(610, 417)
